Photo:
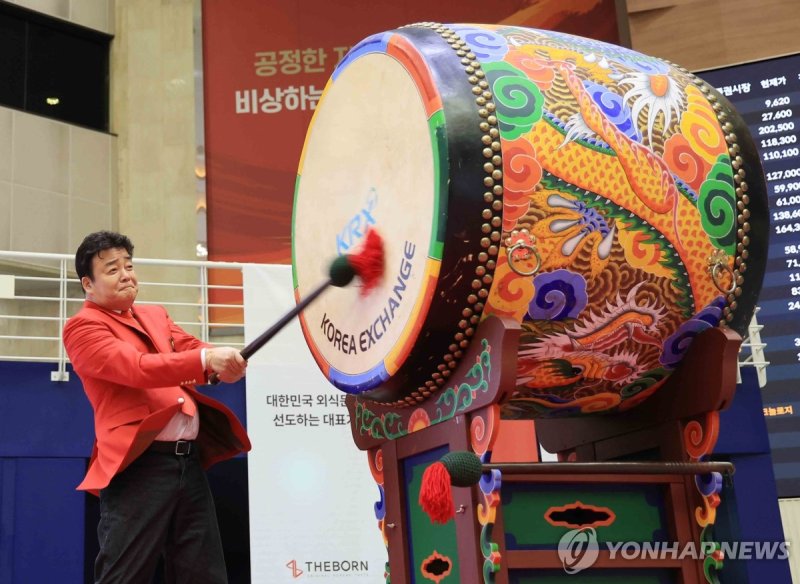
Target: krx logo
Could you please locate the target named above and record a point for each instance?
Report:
(356, 228)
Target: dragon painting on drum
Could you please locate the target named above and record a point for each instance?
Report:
(611, 203)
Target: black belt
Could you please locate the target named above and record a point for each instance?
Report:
(177, 448)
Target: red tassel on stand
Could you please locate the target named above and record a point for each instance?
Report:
(368, 263)
(436, 495)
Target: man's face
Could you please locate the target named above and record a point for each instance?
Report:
(114, 286)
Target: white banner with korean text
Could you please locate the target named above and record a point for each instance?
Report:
(311, 492)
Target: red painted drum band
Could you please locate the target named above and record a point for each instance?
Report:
(611, 202)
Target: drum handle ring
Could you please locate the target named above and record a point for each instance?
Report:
(527, 246)
(715, 275)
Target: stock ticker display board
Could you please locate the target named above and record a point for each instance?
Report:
(767, 95)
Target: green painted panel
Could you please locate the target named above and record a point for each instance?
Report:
(426, 537)
(638, 509)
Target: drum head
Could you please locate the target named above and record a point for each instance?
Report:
(369, 162)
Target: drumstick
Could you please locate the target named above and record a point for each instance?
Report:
(367, 264)
(464, 469)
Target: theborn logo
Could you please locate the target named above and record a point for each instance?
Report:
(356, 228)
(323, 568)
(296, 572)
(578, 549)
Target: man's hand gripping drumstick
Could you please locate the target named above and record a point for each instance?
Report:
(367, 264)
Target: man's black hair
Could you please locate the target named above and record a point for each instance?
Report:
(93, 244)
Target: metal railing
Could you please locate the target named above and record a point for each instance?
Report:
(39, 292)
(752, 351)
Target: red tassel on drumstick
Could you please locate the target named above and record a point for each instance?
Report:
(367, 264)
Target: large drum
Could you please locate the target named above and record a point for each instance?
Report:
(612, 203)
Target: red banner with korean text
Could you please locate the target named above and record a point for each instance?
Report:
(265, 66)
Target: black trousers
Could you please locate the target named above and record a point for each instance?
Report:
(160, 507)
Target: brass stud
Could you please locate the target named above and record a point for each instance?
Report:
(497, 160)
(497, 174)
(483, 84)
(486, 213)
(487, 279)
(492, 120)
(480, 271)
(463, 344)
(493, 250)
(476, 90)
(483, 293)
(496, 222)
(466, 313)
(486, 228)
(474, 319)
(452, 348)
(476, 284)
(488, 181)
(484, 113)
(469, 332)
(458, 354)
(490, 264)
(482, 257)
(480, 101)
(459, 337)
(497, 205)
(487, 153)
(479, 307)
(488, 197)
(485, 242)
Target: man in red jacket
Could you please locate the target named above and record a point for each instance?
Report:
(155, 433)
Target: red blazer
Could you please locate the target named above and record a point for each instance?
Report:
(134, 371)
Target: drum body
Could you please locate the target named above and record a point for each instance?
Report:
(610, 202)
